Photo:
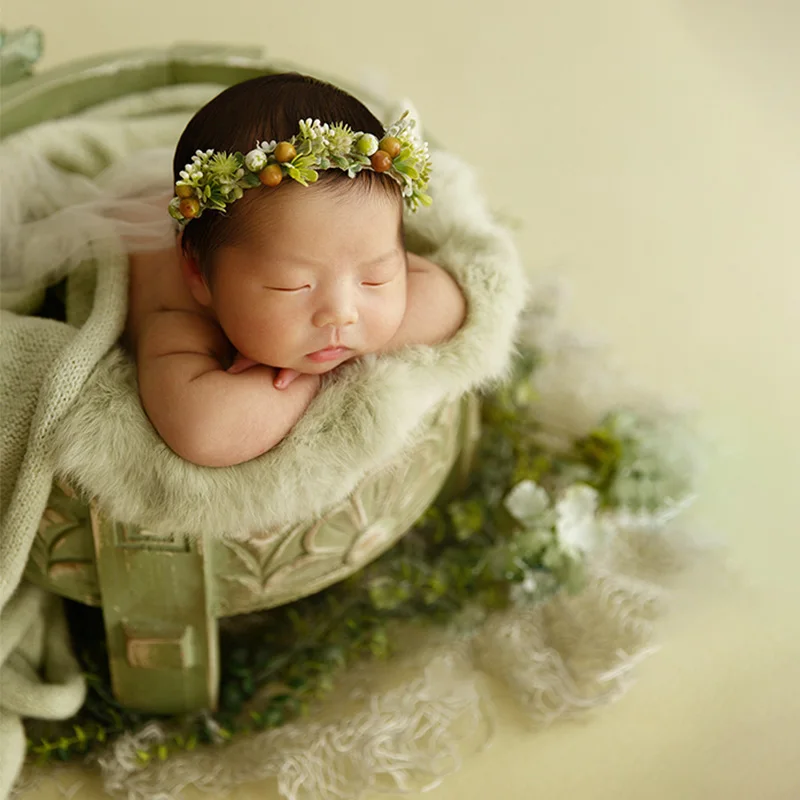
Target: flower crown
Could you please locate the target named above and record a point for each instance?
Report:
(214, 180)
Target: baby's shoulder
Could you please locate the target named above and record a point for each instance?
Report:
(174, 331)
(163, 318)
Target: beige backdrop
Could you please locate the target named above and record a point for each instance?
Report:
(650, 150)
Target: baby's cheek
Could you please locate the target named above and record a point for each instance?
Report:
(388, 318)
(263, 333)
(278, 330)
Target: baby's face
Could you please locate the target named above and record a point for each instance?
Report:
(322, 279)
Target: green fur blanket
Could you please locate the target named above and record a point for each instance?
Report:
(70, 404)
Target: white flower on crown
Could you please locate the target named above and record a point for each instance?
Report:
(367, 144)
(312, 128)
(255, 160)
(339, 140)
(408, 127)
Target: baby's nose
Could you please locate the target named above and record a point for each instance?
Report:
(336, 315)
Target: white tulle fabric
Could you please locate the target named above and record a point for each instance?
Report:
(125, 203)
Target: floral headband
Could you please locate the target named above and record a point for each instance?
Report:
(214, 180)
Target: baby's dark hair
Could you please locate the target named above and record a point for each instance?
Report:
(261, 109)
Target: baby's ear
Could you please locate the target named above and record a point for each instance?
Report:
(193, 276)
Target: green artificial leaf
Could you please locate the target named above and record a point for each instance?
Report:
(407, 169)
(467, 518)
(296, 175)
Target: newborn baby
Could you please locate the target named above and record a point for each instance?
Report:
(266, 290)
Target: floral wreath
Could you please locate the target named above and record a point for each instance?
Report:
(214, 180)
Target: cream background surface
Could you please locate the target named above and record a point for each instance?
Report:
(651, 153)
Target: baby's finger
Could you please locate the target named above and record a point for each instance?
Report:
(284, 378)
(240, 364)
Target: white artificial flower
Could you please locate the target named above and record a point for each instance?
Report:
(525, 590)
(576, 522)
(338, 140)
(255, 160)
(529, 583)
(307, 128)
(367, 144)
(527, 501)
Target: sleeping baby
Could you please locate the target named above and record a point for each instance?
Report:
(267, 290)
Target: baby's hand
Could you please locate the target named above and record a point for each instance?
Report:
(240, 364)
(283, 377)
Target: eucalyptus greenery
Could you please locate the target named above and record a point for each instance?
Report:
(519, 531)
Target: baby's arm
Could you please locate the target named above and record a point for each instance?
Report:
(205, 415)
(435, 306)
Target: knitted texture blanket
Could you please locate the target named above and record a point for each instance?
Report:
(69, 397)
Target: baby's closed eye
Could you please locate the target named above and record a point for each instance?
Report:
(288, 288)
(371, 281)
(381, 277)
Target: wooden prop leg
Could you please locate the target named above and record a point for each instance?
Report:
(162, 636)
